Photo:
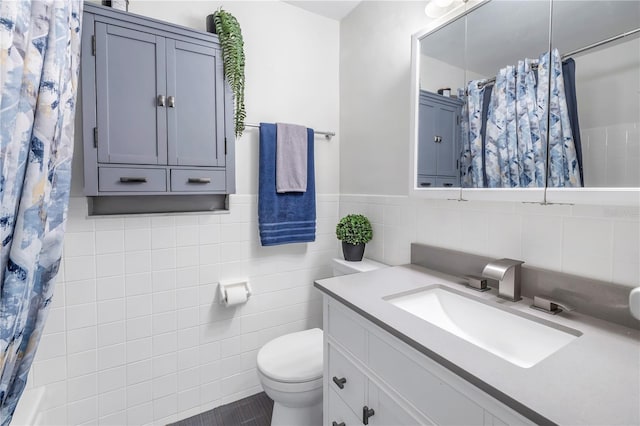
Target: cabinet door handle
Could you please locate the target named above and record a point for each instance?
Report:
(171, 101)
(366, 413)
(437, 139)
(447, 184)
(126, 179)
(425, 183)
(337, 424)
(339, 382)
(162, 100)
(199, 180)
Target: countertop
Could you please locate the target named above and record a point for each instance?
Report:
(593, 380)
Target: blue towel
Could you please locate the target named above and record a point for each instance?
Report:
(288, 217)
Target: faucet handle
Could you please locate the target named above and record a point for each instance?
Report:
(546, 304)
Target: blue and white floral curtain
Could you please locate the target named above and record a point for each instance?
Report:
(505, 144)
(39, 62)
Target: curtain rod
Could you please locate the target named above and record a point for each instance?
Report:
(600, 43)
(575, 52)
(327, 135)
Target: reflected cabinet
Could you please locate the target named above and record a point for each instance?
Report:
(547, 93)
(438, 141)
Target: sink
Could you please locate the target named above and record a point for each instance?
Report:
(521, 339)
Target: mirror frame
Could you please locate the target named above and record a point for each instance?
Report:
(546, 195)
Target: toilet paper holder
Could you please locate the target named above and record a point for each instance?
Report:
(225, 288)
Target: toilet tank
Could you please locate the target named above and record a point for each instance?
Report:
(344, 267)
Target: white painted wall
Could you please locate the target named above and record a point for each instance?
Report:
(436, 74)
(135, 334)
(375, 58)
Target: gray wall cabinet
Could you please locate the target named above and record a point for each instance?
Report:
(157, 114)
(439, 141)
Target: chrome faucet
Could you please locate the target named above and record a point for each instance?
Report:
(507, 272)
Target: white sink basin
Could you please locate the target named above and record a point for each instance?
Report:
(523, 341)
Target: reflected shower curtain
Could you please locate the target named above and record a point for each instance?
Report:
(471, 160)
(515, 145)
(564, 170)
(530, 147)
(39, 61)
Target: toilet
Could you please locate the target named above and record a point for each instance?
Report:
(290, 366)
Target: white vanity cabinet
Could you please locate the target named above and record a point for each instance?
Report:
(366, 368)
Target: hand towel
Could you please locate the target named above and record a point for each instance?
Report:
(289, 217)
(291, 158)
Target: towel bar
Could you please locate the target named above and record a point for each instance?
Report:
(327, 135)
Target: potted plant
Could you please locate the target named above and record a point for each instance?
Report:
(226, 26)
(354, 230)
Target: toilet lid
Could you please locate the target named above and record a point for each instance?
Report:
(295, 357)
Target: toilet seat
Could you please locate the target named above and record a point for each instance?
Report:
(296, 387)
(294, 358)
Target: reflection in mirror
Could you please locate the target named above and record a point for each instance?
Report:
(440, 107)
(505, 120)
(604, 102)
(489, 59)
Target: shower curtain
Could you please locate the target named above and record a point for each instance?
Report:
(508, 148)
(39, 60)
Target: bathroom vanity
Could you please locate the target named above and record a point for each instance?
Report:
(385, 365)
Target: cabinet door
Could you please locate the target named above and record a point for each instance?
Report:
(446, 125)
(427, 145)
(130, 74)
(387, 412)
(195, 108)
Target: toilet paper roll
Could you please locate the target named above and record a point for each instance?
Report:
(235, 295)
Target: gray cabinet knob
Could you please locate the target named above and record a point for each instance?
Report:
(171, 101)
(162, 100)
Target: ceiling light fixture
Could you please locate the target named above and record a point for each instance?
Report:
(437, 8)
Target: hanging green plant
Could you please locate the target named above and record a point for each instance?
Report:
(230, 35)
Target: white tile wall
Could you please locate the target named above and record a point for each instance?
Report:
(135, 334)
(611, 155)
(593, 241)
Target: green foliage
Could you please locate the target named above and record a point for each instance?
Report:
(354, 229)
(230, 35)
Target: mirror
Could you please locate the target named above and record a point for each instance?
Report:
(607, 87)
(592, 139)
(442, 73)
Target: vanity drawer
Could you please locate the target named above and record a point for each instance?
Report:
(351, 382)
(431, 396)
(346, 331)
(339, 413)
(426, 181)
(193, 180)
(446, 182)
(129, 179)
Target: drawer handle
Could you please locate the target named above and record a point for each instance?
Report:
(133, 179)
(447, 184)
(339, 382)
(425, 183)
(199, 180)
(366, 413)
(337, 424)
